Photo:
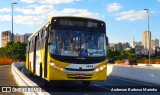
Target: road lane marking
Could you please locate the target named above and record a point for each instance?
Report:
(101, 86)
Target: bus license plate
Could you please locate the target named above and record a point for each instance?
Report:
(80, 75)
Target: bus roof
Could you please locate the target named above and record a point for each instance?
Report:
(52, 17)
(74, 17)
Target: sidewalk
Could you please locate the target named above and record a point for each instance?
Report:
(7, 79)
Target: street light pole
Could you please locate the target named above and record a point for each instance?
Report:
(12, 21)
(12, 28)
(149, 36)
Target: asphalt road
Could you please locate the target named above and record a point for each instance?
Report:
(96, 87)
(7, 79)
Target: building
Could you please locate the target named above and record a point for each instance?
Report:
(133, 44)
(146, 39)
(5, 38)
(22, 38)
(26, 36)
(154, 43)
(125, 45)
(19, 38)
(138, 48)
(118, 47)
(146, 52)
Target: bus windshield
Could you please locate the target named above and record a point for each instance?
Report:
(77, 43)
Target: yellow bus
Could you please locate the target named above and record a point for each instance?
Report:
(68, 48)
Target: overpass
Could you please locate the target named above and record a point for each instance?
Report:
(119, 76)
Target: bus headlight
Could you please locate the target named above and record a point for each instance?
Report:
(52, 64)
(56, 67)
(97, 70)
(100, 68)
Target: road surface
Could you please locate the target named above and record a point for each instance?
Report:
(96, 87)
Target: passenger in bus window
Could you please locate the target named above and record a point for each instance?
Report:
(76, 47)
(90, 43)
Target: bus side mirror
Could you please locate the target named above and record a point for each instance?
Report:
(107, 41)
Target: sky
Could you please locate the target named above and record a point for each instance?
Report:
(125, 20)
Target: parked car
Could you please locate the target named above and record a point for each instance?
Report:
(130, 62)
(110, 62)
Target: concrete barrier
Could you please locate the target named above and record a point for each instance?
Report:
(22, 80)
(144, 74)
(152, 65)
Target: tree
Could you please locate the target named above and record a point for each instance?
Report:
(128, 54)
(114, 55)
(18, 50)
(110, 54)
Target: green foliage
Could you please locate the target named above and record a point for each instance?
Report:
(117, 55)
(18, 50)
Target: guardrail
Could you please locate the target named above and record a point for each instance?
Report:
(146, 74)
(22, 80)
(151, 65)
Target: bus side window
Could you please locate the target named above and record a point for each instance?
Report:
(38, 40)
(33, 39)
(42, 34)
(30, 46)
(42, 38)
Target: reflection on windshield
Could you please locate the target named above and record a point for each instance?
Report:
(77, 43)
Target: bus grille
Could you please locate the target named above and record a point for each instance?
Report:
(73, 76)
(70, 69)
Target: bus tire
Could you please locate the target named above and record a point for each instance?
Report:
(86, 83)
(31, 74)
(43, 82)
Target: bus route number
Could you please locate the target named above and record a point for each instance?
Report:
(89, 66)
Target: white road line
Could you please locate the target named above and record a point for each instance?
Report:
(101, 86)
(133, 81)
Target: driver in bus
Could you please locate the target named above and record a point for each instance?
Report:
(90, 43)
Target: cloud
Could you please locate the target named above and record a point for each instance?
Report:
(57, 1)
(5, 17)
(132, 15)
(40, 13)
(5, 10)
(49, 10)
(158, 0)
(28, 20)
(36, 13)
(25, 11)
(111, 7)
(43, 9)
(74, 12)
(29, 1)
(50, 1)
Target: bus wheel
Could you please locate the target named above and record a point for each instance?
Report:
(31, 74)
(86, 83)
(44, 82)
